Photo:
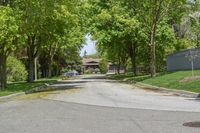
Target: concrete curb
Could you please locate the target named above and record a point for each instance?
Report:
(34, 90)
(162, 89)
(41, 88)
(12, 95)
(37, 89)
(167, 90)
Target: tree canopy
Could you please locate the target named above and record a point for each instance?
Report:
(137, 35)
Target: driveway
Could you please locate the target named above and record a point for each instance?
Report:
(93, 104)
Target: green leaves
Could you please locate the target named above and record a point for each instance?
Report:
(9, 28)
(118, 25)
(16, 70)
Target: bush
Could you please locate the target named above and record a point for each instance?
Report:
(89, 71)
(103, 65)
(16, 70)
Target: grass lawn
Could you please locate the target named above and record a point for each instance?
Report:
(168, 80)
(24, 86)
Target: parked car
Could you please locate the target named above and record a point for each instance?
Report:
(66, 75)
(70, 73)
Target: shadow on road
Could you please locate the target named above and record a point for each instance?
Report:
(198, 98)
(59, 86)
(95, 77)
(77, 83)
(71, 82)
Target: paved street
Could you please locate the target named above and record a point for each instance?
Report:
(93, 104)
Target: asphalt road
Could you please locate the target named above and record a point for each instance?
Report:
(92, 104)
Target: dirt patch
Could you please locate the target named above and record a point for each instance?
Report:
(48, 93)
(35, 96)
(147, 88)
(187, 79)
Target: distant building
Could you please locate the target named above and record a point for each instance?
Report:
(181, 60)
(90, 63)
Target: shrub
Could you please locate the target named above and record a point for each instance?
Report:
(103, 65)
(89, 71)
(16, 70)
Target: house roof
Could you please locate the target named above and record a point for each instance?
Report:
(90, 61)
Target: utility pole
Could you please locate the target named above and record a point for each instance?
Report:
(35, 63)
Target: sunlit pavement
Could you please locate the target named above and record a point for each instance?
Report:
(92, 104)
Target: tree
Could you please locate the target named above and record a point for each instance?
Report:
(103, 65)
(46, 26)
(9, 29)
(152, 12)
(50, 26)
(192, 56)
(16, 70)
(33, 13)
(115, 29)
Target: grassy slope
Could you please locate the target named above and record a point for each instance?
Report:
(168, 80)
(24, 86)
(171, 80)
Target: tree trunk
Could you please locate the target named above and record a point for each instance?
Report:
(118, 66)
(50, 66)
(52, 52)
(35, 69)
(31, 58)
(153, 52)
(57, 71)
(132, 54)
(3, 74)
(50, 70)
(31, 69)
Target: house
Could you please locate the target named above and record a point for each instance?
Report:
(184, 60)
(91, 63)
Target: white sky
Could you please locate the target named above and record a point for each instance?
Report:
(89, 46)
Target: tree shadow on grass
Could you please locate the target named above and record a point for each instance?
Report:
(24, 86)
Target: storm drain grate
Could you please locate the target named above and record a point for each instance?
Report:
(192, 124)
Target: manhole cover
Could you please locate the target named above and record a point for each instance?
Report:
(192, 124)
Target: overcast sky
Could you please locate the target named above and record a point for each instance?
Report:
(89, 47)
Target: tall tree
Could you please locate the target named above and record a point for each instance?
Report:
(9, 29)
(152, 12)
(114, 26)
(46, 23)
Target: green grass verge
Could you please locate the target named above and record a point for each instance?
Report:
(18, 87)
(167, 80)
